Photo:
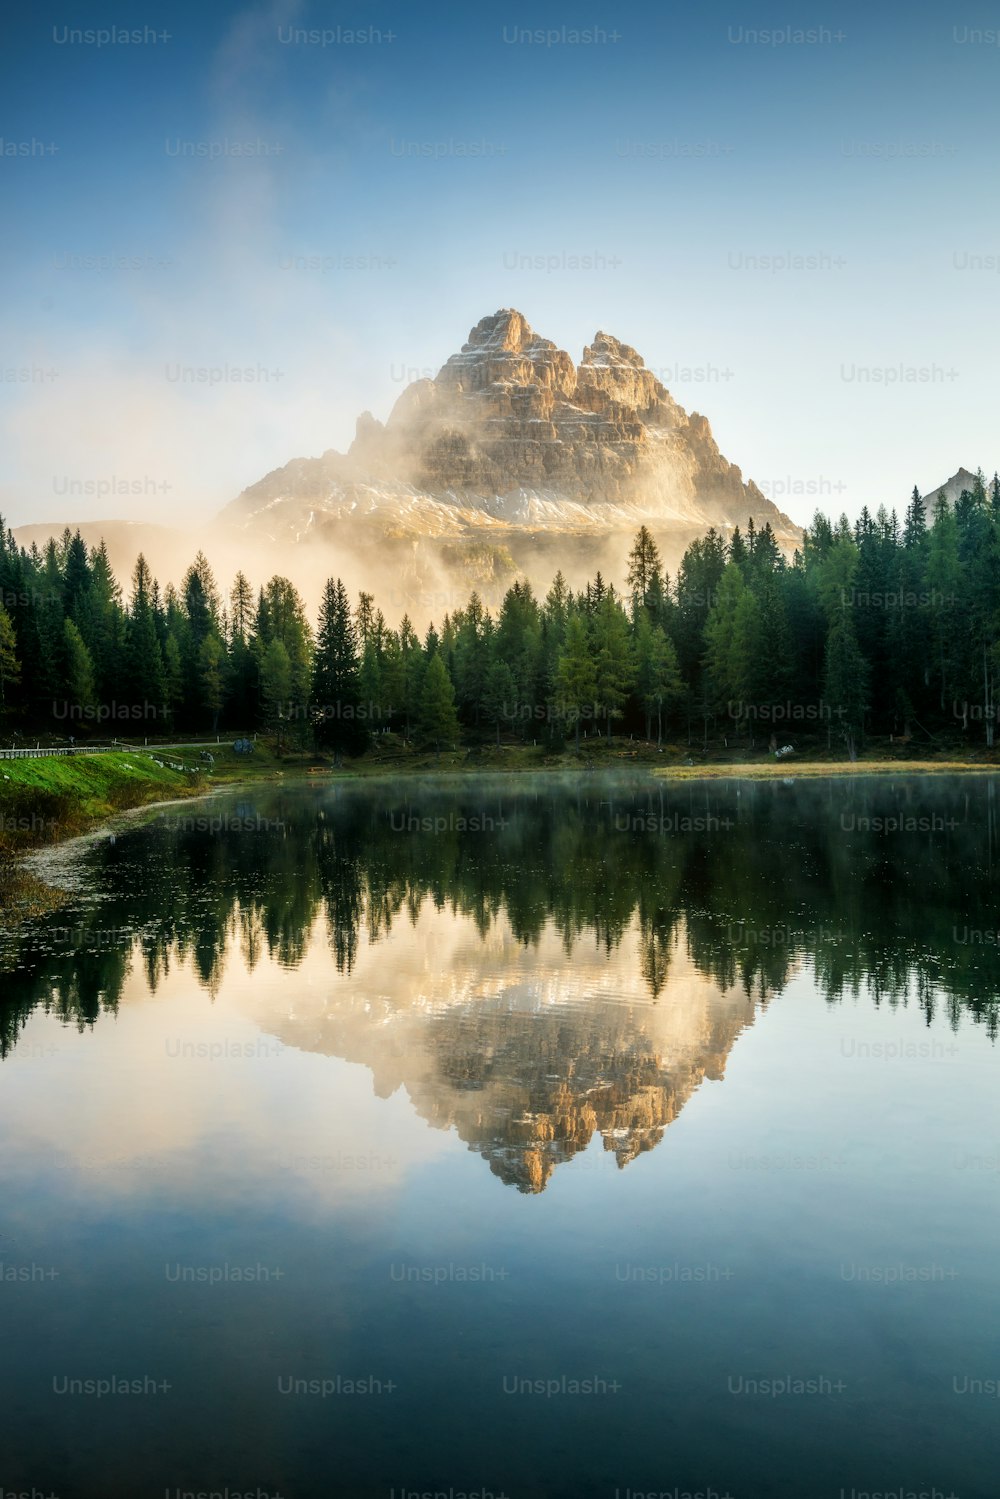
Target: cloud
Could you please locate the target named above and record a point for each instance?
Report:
(207, 363)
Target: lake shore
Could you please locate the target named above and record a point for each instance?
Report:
(48, 801)
(793, 769)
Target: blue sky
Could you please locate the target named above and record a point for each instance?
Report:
(653, 179)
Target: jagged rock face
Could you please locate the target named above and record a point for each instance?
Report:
(503, 351)
(511, 412)
(511, 432)
(613, 371)
(513, 461)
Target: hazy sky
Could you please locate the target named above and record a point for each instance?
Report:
(333, 213)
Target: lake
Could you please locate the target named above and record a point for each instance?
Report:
(518, 1136)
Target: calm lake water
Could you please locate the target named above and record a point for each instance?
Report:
(512, 1138)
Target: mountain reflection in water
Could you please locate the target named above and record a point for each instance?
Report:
(536, 964)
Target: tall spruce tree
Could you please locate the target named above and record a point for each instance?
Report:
(144, 685)
(336, 691)
(846, 682)
(499, 695)
(438, 719)
(658, 676)
(614, 666)
(276, 688)
(10, 667)
(576, 678)
(644, 567)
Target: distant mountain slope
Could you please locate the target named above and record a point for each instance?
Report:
(951, 489)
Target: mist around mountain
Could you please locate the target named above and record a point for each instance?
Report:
(511, 433)
(513, 461)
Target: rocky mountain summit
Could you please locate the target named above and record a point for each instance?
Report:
(510, 443)
(512, 415)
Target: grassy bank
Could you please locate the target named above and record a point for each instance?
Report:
(44, 801)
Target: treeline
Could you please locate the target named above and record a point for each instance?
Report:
(879, 627)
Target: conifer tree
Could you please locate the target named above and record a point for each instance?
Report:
(173, 678)
(643, 570)
(613, 664)
(10, 667)
(499, 695)
(364, 617)
(845, 686)
(275, 687)
(724, 645)
(576, 681)
(438, 718)
(373, 711)
(658, 677)
(336, 691)
(472, 653)
(79, 672)
(944, 579)
(242, 670)
(143, 678)
(281, 616)
(212, 678)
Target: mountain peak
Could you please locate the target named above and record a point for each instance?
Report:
(514, 446)
(511, 415)
(507, 329)
(504, 350)
(606, 349)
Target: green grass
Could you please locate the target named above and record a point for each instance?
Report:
(44, 800)
(264, 764)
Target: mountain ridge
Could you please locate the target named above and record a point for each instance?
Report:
(510, 433)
